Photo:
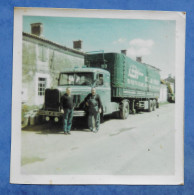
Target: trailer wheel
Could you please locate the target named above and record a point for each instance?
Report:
(124, 110)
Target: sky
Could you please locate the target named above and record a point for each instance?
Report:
(153, 40)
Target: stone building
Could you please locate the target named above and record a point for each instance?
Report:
(170, 82)
(167, 90)
(42, 60)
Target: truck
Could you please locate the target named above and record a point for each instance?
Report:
(124, 85)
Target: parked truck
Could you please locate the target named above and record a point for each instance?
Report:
(124, 85)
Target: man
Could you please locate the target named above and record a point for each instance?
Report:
(67, 109)
(93, 102)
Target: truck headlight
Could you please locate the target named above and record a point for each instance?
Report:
(56, 119)
(47, 118)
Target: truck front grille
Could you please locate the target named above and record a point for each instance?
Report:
(52, 99)
(76, 100)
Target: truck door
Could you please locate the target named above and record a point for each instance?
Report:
(103, 89)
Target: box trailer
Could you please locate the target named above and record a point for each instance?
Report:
(133, 84)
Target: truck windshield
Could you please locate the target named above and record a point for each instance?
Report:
(84, 78)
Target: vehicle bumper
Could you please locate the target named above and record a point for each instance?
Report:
(76, 113)
(79, 113)
(50, 113)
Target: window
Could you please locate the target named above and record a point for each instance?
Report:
(100, 80)
(82, 78)
(41, 86)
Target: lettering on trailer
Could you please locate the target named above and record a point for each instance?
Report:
(152, 81)
(136, 83)
(143, 85)
(134, 72)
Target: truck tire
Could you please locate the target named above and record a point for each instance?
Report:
(124, 110)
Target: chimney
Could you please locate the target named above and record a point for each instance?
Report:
(139, 59)
(36, 29)
(124, 51)
(77, 45)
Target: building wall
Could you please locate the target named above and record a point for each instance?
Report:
(41, 64)
(163, 93)
(172, 85)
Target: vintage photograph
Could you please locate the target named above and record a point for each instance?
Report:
(97, 97)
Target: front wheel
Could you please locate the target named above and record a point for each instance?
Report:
(124, 110)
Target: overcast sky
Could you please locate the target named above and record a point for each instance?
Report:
(154, 40)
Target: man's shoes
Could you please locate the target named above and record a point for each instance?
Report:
(68, 133)
(65, 133)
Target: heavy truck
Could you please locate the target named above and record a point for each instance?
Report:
(124, 85)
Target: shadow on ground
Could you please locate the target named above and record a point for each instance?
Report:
(79, 124)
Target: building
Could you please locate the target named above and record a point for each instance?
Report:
(170, 82)
(42, 60)
(167, 90)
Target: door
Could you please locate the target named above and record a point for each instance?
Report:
(103, 89)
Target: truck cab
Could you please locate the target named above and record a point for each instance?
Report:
(81, 80)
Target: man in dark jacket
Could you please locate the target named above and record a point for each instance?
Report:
(67, 109)
(94, 104)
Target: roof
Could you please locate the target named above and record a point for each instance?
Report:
(95, 53)
(151, 66)
(53, 43)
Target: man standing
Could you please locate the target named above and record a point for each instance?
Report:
(67, 109)
(93, 102)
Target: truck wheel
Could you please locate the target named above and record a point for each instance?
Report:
(124, 110)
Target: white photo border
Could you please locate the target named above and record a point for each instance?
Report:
(15, 172)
